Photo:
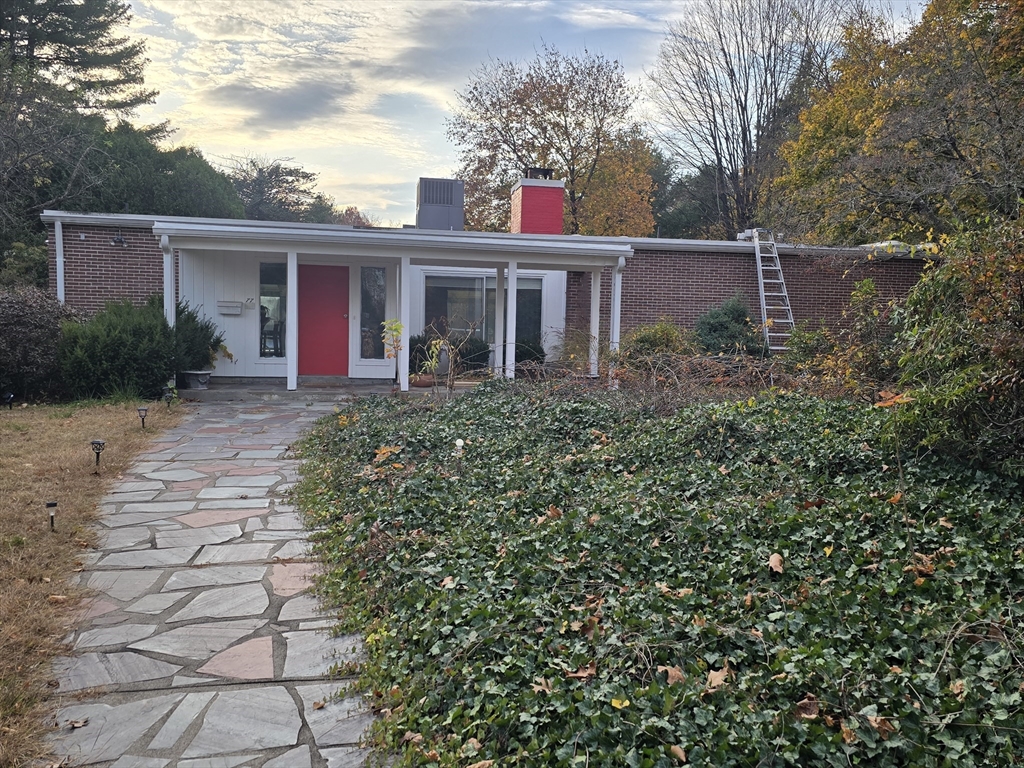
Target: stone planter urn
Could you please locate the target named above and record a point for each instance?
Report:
(197, 379)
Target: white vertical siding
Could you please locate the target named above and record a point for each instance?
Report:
(212, 276)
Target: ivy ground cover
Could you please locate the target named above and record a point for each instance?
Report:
(550, 577)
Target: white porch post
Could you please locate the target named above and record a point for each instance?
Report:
(499, 320)
(510, 333)
(291, 329)
(58, 236)
(169, 303)
(404, 317)
(595, 318)
(615, 325)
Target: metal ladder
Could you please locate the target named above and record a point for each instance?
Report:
(776, 314)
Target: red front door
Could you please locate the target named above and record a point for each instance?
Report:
(323, 320)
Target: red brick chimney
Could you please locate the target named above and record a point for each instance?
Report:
(537, 203)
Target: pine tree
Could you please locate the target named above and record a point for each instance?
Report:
(75, 45)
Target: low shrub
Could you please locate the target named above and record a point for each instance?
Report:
(662, 337)
(123, 351)
(728, 329)
(196, 339)
(30, 328)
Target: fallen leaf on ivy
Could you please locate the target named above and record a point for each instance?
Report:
(471, 747)
(432, 756)
(807, 708)
(398, 465)
(748, 600)
(848, 735)
(415, 738)
(318, 705)
(828, 550)
(554, 512)
(620, 703)
(541, 685)
(678, 753)
(481, 764)
(583, 672)
(957, 689)
(896, 497)
(757, 633)
(717, 678)
(673, 675)
(882, 725)
(945, 523)
(447, 583)
(775, 562)
(723, 469)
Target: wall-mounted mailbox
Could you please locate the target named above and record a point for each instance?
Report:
(229, 307)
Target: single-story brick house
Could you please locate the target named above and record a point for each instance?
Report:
(307, 300)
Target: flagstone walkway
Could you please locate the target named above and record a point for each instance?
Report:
(200, 648)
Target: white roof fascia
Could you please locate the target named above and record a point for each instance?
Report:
(99, 219)
(395, 244)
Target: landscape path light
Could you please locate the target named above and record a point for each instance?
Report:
(9, 399)
(142, 415)
(97, 448)
(168, 396)
(51, 506)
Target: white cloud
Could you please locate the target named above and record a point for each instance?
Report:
(358, 90)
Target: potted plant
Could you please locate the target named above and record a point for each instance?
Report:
(197, 342)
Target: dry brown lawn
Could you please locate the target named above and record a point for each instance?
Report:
(45, 455)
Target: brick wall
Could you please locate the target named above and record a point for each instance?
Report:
(96, 272)
(683, 286)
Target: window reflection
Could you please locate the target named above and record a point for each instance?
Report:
(273, 309)
(373, 300)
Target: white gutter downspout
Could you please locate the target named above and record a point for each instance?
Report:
(58, 236)
(169, 303)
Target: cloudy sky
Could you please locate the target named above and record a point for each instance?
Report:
(358, 90)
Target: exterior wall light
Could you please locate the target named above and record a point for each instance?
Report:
(97, 448)
(142, 415)
(119, 240)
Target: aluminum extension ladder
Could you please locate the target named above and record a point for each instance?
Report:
(776, 313)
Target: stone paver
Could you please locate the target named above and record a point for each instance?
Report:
(202, 647)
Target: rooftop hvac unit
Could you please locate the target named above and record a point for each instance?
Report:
(440, 204)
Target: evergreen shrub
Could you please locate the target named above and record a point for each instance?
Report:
(728, 329)
(123, 351)
(196, 339)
